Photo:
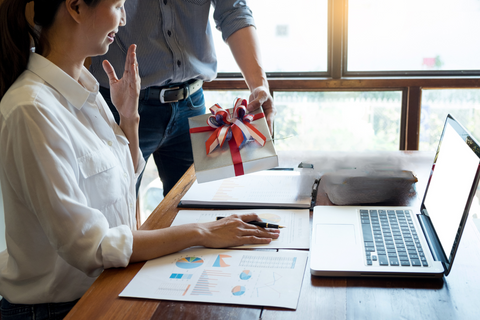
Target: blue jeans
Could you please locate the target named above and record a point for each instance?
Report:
(50, 311)
(164, 132)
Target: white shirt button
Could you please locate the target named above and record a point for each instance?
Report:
(110, 143)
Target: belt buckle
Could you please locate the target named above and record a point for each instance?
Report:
(162, 94)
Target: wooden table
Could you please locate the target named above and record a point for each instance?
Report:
(454, 297)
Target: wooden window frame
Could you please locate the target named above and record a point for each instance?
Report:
(411, 83)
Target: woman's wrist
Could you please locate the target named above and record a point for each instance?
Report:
(133, 120)
(197, 233)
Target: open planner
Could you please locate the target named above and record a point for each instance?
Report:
(264, 189)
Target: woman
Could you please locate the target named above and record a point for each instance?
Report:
(67, 170)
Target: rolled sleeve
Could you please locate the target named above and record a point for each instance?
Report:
(231, 16)
(117, 247)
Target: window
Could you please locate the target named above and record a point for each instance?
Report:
(422, 35)
(462, 104)
(293, 36)
(412, 48)
(225, 98)
(337, 121)
(150, 191)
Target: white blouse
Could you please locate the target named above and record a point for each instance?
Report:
(68, 186)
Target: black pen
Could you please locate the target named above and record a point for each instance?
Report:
(261, 224)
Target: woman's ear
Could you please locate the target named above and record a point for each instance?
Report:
(75, 8)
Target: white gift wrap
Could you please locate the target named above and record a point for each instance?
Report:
(219, 164)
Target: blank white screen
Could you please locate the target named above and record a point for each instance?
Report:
(450, 185)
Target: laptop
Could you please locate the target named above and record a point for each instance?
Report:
(375, 241)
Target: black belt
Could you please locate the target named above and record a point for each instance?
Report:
(172, 93)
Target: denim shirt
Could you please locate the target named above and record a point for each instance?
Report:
(174, 39)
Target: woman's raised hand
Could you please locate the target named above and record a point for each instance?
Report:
(124, 92)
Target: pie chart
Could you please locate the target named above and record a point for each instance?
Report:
(189, 262)
(245, 275)
(238, 290)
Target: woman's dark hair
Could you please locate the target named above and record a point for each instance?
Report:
(16, 35)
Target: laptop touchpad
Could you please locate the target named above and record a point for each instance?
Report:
(338, 234)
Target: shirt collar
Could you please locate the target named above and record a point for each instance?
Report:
(73, 91)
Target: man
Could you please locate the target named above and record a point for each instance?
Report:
(175, 55)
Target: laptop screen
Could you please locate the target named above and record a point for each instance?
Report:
(452, 184)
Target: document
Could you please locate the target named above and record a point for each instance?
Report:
(265, 189)
(294, 235)
(245, 277)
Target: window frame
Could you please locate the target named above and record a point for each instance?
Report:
(337, 78)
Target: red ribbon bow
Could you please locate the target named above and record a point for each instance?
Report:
(225, 125)
(237, 123)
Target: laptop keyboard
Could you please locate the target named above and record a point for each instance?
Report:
(390, 238)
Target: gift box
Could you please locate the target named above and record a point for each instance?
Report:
(231, 143)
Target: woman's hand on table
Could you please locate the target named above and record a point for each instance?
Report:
(235, 231)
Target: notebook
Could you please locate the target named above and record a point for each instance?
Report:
(279, 189)
(403, 241)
